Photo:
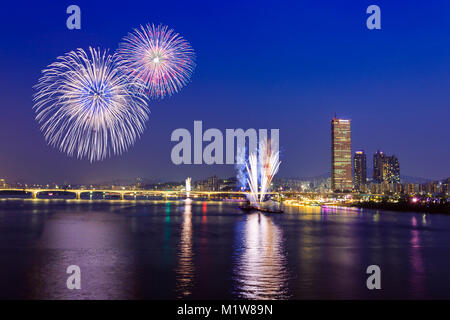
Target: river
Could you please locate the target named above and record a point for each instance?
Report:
(211, 250)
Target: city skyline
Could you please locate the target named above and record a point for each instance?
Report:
(385, 168)
(394, 95)
(349, 171)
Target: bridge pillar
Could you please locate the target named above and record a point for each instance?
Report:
(78, 195)
(34, 194)
(122, 196)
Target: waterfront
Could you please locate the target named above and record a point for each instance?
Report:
(211, 250)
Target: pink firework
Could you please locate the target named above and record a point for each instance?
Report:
(158, 57)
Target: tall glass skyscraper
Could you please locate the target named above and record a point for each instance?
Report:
(378, 161)
(385, 168)
(391, 172)
(341, 155)
(359, 170)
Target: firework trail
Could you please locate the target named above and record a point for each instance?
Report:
(252, 178)
(158, 57)
(260, 172)
(269, 165)
(87, 108)
(241, 168)
(188, 184)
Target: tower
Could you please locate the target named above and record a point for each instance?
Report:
(341, 155)
(359, 170)
(378, 163)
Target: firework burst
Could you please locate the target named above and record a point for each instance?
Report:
(260, 171)
(158, 57)
(269, 166)
(86, 107)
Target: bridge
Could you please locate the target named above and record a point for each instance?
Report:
(123, 192)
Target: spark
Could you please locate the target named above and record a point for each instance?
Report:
(260, 172)
(158, 57)
(86, 107)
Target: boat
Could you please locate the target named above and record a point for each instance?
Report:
(270, 210)
(249, 208)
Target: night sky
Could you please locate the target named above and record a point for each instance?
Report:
(260, 64)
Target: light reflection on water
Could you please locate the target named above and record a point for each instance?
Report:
(417, 263)
(97, 246)
(211, 250)
(186, 269)
(260, 268)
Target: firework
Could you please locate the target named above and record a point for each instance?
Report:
(188, 184)
(158, 57)
(252, 180)
(269, 165)
(87, 108)
(241, 168)
(260, 172)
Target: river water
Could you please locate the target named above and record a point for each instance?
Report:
(211, 250)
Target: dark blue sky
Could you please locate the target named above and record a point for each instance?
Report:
(260, 64)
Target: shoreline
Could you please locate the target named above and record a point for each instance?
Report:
(405, 207)
(388, 206)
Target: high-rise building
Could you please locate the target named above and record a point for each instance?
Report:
(341, 155)
(447, 186)
(378, 160)
(359, 170)
(213, 183)
(385, 168)
(391, 170)
(228, 184)
(410, 188)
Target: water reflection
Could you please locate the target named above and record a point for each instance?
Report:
(185, 269)
(97, 243)
(259, 259)
(146, 251)
(167, 233)
(417, 264)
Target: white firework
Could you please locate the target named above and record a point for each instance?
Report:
(269, 166)
(86, 107)
(252, 180)
(260, 172)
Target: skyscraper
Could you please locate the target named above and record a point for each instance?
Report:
(385, 168)
(378, 160)
(341, 155)
(359, 170)
(213, 183)
(391, 170)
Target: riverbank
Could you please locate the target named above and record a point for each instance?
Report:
(406, 206)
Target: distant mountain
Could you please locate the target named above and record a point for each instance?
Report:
(127, 182)
(403, 178)
(323, 176)
(409, 179)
